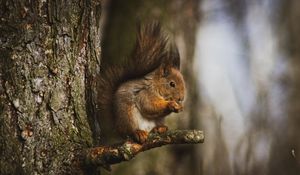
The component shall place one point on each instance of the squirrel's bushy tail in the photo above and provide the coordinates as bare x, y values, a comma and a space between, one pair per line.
152, 49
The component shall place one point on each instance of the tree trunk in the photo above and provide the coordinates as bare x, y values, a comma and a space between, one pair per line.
49, 55
285, 157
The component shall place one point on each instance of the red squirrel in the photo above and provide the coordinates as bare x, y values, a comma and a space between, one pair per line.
139, 93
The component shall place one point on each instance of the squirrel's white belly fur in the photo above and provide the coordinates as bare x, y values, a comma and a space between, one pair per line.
141, 122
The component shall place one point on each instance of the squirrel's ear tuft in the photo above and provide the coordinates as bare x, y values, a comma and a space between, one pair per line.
165, 70
174, 56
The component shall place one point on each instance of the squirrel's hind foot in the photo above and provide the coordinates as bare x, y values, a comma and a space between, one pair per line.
140, 136
160, 129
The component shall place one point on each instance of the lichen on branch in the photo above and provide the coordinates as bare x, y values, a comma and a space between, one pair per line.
107, 155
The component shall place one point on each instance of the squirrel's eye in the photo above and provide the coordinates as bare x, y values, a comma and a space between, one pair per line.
172, 84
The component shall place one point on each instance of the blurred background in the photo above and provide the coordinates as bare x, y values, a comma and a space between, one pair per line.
241, 62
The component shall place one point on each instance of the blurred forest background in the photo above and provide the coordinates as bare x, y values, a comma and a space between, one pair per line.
241, 63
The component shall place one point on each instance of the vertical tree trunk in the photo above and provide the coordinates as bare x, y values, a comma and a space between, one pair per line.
285, 157
49, 55
186, 18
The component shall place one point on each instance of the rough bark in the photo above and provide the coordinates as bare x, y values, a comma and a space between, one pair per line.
49, 54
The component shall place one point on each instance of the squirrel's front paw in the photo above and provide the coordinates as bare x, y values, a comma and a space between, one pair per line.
140, 136
175, 107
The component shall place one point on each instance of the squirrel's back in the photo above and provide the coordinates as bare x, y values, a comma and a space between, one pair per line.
152, 49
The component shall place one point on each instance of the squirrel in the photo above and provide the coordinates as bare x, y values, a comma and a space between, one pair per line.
140, 92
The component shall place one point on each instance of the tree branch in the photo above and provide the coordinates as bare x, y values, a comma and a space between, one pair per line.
107, 155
